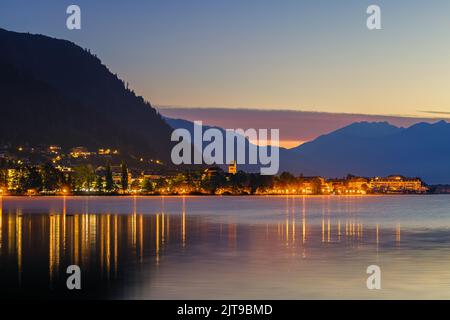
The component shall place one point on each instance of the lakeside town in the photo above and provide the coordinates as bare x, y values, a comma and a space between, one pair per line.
48, 170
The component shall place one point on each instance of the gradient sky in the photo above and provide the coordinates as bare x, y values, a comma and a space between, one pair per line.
311, 55
291, 54
296, 127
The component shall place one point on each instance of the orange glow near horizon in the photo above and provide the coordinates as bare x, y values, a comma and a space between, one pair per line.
288, 144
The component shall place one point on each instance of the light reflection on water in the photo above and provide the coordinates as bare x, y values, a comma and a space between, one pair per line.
225, 247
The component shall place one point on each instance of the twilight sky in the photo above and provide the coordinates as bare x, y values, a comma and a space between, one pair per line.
299, 55
296, 127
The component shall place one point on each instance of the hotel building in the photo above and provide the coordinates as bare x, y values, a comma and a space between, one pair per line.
397, 184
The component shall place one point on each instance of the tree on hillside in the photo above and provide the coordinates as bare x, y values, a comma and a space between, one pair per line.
148, 186
84, 177
213, 182
124, 177
30, 179
51, 177
3, 174
109, 182
239, 182
287, 178
99, 183
260, 183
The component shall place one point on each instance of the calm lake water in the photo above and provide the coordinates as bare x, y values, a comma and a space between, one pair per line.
226, 247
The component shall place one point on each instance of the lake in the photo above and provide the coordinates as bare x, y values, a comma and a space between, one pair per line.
261, 247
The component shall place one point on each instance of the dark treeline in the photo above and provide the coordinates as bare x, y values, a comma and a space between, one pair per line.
17, 178
47, 179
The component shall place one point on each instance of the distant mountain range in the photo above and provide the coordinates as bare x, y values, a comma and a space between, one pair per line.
54, 92
189, 126
371, 149
377, 149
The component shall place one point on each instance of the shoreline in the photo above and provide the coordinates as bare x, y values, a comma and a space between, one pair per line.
218, 196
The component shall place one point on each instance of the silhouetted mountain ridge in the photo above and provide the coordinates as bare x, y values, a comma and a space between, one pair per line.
376, 149
67, 96
368, 149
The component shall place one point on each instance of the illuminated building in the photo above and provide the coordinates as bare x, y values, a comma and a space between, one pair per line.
13, 179
79, 152
357, 183
212, 171
325, 187
54, 149
104, 151
107, 151
232, 167
117, 175
306, 188
339, 186
397, 184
